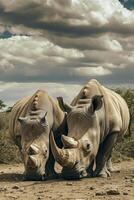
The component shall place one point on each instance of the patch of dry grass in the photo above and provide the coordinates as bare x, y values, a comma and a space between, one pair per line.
8, 150
124, 149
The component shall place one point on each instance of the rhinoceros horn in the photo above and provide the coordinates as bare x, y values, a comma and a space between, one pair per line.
33, 149
65, 157
32, 161
69, 142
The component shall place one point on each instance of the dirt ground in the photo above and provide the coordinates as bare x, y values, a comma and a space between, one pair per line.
120, 186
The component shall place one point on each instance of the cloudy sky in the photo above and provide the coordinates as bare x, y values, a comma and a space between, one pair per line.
59, 45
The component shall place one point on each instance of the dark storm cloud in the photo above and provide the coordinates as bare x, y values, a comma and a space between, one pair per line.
32, 13
56, 17
56, 64
63, 28
64, 43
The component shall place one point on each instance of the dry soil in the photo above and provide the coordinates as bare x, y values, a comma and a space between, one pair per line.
119, 186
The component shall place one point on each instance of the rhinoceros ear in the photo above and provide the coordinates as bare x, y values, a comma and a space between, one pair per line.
64, 106
96, 103
43, 117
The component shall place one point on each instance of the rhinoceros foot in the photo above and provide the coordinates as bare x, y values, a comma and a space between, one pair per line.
104, 173
111, 169
53, 175
114, 170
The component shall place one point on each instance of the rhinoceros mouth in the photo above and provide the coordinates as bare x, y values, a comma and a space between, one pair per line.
34, 177
69, 175
76, 172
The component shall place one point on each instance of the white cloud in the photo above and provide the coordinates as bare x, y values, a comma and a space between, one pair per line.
5, 65
76, 12
131, 57
29, 49
102, 12
6, 86
113, 45
12, 92
81, 39
93, 71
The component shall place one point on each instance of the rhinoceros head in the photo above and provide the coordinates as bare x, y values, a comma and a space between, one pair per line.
81, 144
35, 144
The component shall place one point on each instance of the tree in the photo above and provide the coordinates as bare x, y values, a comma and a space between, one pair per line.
128, 95
2, 105
9, 109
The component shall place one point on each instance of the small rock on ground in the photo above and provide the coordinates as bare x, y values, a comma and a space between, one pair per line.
15, 187
113, 192
100, 193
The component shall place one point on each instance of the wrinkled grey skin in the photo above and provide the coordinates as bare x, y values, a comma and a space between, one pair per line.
97, 118
32, 120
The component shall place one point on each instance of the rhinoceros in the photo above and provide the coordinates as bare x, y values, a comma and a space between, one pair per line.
96, 119
32, 120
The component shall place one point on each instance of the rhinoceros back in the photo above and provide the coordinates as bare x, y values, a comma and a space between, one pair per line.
18, 110
120, 108
115, 110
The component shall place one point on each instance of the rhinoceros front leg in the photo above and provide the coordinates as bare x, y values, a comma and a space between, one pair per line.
110, 165
50, 171
104, 154
91, 168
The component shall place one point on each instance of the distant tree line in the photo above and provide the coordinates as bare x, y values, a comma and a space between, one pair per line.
2, 105
128, 95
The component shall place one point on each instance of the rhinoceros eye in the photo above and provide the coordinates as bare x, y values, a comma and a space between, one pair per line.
87, 146
45, 153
